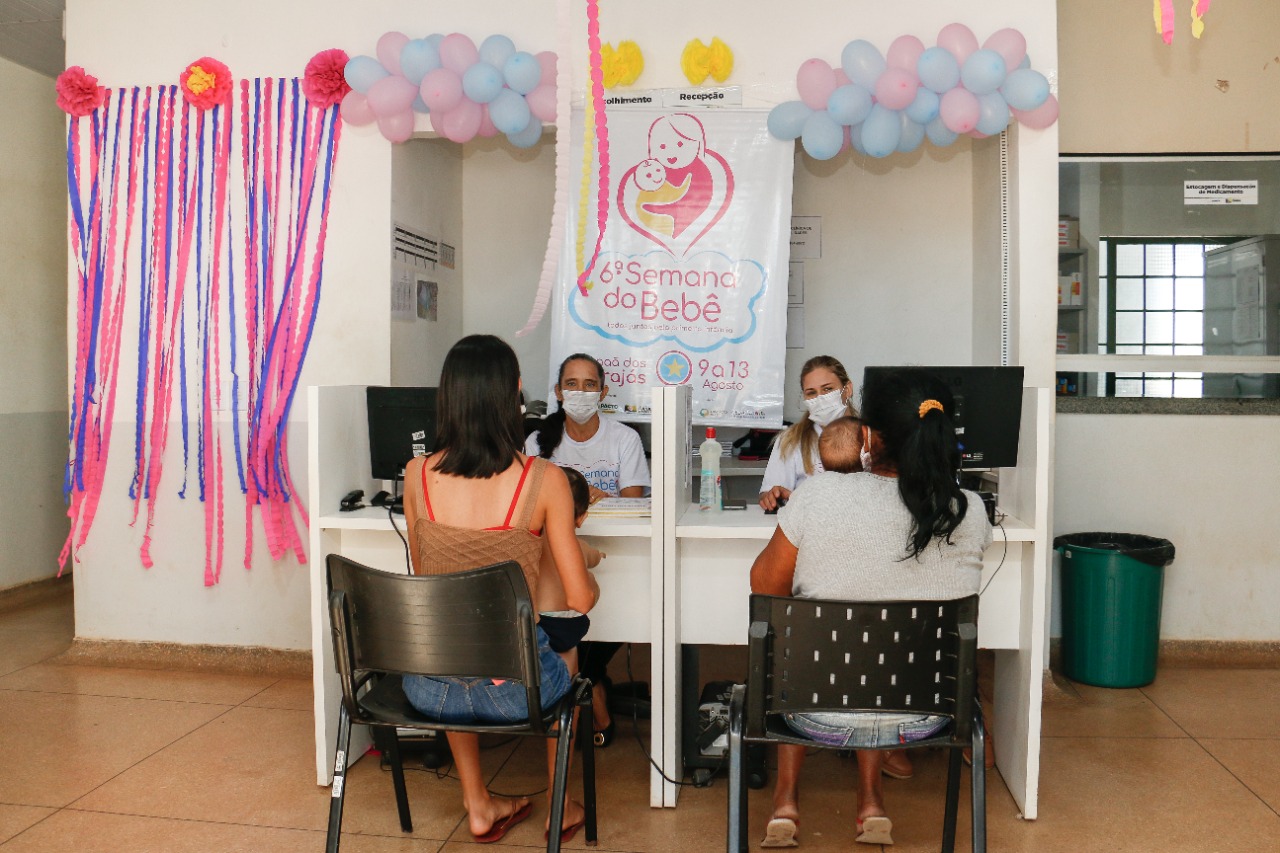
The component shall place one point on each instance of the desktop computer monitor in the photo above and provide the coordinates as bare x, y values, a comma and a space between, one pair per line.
988, 412
402, 425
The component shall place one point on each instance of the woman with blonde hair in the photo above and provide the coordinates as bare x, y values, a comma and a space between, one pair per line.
826, 391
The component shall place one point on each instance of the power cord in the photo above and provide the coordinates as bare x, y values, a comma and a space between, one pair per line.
635, 729
391, 517
1005, 535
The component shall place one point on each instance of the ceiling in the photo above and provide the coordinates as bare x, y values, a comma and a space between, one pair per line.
31, 34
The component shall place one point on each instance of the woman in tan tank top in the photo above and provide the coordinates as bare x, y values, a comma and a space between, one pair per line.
478, 500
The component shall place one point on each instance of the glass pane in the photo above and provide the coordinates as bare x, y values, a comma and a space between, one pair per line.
1160, 260
1188, 259
1102, 259
1128, 259
1187, 350
1129, 350
1158, 350
1128, 375
1158, 388
1128, 294
1158, 374
1188, 294
1159, 294
1188, 327
1159, 327
1188, 388
1128, 387
1194, 375
1128, 327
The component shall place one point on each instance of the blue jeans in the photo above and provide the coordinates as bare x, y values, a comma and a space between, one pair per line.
866, 729
479, 700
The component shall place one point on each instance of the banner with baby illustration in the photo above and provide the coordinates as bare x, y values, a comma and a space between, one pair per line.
690, 287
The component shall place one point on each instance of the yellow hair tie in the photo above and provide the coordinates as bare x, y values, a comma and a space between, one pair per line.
929, 404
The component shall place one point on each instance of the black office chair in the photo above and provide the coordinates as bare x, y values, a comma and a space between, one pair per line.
471, 624
810, 655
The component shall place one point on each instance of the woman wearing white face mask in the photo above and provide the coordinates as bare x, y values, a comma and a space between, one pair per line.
827, 391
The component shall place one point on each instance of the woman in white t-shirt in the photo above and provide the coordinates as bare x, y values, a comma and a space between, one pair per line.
610, 456
827, 390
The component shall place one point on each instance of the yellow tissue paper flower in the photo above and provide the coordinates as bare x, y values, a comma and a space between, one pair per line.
720, 60
621, 66
696, 61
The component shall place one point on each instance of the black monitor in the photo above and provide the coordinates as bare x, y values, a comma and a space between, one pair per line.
988, 411
402, 425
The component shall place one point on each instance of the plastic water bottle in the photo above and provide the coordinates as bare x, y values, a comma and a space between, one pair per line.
709, 488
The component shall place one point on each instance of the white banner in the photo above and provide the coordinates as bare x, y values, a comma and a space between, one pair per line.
691, 283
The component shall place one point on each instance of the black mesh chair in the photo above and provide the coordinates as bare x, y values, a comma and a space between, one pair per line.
471, 624
809, 655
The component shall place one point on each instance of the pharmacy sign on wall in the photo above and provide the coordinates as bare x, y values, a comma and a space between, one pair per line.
690, 287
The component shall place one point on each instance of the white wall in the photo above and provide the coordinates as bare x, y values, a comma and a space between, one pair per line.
1205, 483
33, 327
426, 195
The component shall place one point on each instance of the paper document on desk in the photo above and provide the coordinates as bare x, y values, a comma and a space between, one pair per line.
621, 508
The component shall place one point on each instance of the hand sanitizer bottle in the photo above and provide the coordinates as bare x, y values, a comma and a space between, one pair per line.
709, 488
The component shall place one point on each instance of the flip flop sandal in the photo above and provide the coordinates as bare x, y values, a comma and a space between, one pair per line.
500, 829
875, 830
566, 834
781, 832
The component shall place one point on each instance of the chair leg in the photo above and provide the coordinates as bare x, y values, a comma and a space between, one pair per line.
737, 834
586, 738
339, 790
397, 779
978, 780
559, 785
954, 762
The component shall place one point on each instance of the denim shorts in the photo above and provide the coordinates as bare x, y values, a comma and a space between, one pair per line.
866, 729
479, 700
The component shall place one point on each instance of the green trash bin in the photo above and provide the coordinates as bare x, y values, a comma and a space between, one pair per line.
1111, 589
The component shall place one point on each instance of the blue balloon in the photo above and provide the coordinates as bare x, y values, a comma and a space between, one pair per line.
522, 72
993, 114
938, 70
417, 58
786, 120
983, 72
496, 50
509, 112
482, 82
362, 72
849, 104
434, 40
420, 106
912, 135
862, 61
1026, 61
855, 139
939, 134
1025, 89
821, 137
924, 108
882, 131
528, 137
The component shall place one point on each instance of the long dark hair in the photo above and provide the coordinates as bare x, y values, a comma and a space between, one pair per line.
478, 429
920, 440
551, 433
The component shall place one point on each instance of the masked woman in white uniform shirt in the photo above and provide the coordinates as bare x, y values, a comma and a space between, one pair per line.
827, 390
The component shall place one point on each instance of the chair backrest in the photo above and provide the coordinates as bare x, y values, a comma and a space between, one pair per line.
478, 623
915, 657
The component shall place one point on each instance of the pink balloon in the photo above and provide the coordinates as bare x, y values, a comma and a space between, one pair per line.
462, 122
816, 81
842, 79
1041, 117
389, 47
437, 123
486, 124
960, 110
542, 102
547, 60
896, 89
904, 53
397, 127
458, 53
441, 90
391, 95
1010, 44
355, 109
958, 39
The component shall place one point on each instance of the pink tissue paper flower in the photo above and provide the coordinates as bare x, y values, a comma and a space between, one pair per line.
206, 83
323, 82
78, 92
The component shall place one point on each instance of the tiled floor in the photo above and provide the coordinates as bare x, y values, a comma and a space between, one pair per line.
98, 759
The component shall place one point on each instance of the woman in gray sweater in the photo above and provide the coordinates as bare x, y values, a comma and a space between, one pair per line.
901, 530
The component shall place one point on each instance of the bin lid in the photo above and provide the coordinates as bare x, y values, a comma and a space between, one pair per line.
1146, 549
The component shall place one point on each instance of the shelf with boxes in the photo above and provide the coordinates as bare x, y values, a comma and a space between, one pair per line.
1073, 298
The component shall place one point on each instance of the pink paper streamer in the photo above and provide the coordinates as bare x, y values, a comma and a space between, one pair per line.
1166, 21
602, 137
